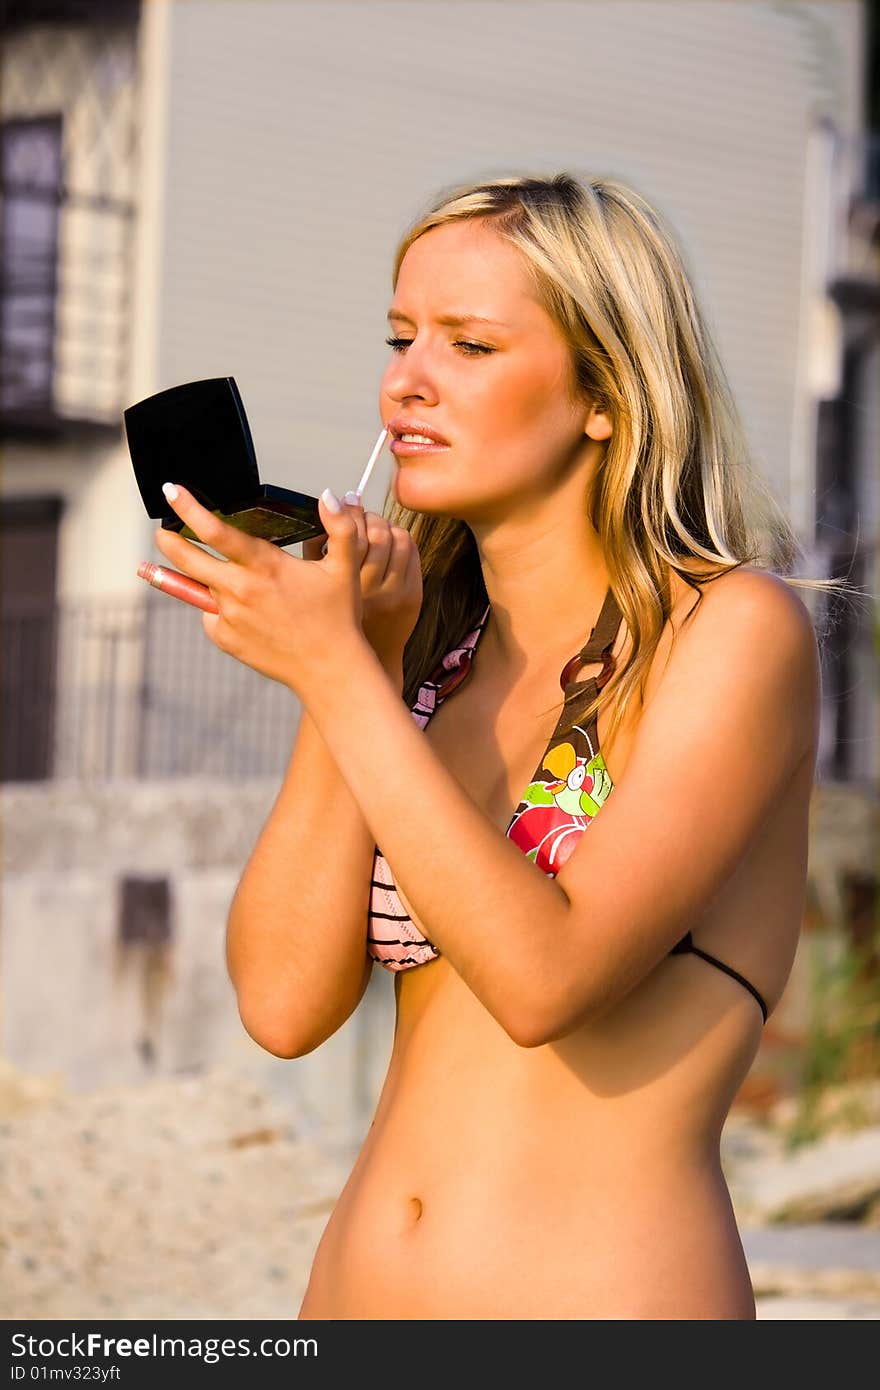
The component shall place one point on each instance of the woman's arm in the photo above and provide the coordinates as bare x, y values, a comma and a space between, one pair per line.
297, 925
735, 713
296, 928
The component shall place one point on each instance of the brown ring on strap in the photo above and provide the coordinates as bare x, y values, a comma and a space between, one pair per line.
608, 664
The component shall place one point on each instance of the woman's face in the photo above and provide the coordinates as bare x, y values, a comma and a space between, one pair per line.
500, 392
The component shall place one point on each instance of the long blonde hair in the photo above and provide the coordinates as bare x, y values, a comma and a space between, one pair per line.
677, 488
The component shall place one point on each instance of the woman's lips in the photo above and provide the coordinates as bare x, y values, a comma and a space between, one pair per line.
410, 446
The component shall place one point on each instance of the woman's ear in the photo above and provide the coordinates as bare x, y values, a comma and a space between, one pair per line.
598, 424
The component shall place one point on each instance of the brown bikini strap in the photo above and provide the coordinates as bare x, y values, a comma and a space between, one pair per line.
598, 646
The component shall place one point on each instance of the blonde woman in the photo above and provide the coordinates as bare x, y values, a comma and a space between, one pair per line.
580, 838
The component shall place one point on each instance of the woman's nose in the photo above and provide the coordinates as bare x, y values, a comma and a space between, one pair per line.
410, 374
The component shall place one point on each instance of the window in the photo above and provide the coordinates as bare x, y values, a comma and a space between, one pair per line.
30, 181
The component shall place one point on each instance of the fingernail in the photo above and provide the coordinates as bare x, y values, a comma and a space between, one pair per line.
330, 500
352, 498
170, 491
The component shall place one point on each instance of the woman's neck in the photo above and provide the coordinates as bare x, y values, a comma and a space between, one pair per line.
544, 600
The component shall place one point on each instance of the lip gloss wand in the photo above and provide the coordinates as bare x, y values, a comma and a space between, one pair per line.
365, 476
377, 449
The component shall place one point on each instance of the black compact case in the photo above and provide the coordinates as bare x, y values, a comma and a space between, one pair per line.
197, 434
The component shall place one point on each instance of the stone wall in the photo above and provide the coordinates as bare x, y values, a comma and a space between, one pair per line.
100, 995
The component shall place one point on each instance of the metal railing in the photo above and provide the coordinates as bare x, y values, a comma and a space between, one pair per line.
133, 688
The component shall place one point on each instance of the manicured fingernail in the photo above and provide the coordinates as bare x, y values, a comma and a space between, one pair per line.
170, 491
330, 500
352, 498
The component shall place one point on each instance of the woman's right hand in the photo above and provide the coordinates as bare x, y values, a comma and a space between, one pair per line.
391, 581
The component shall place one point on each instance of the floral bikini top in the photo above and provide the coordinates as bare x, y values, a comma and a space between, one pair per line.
565, 793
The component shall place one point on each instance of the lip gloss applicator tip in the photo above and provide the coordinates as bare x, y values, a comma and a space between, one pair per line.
377, 449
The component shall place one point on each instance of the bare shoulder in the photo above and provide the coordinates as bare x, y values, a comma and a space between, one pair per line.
744, 595
756, 628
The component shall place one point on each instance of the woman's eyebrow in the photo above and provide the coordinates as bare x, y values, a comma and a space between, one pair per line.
452, 320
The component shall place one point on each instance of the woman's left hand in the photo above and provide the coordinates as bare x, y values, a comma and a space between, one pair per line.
290, 619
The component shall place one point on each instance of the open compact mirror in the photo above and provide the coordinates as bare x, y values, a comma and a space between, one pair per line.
197, 434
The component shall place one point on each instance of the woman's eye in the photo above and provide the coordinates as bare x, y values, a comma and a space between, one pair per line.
399, 344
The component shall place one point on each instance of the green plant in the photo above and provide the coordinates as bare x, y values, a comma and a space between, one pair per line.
843, 1039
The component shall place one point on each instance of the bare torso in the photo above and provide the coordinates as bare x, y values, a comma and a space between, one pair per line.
582, 1178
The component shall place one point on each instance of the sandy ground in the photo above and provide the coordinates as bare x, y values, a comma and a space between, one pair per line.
190, 1197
